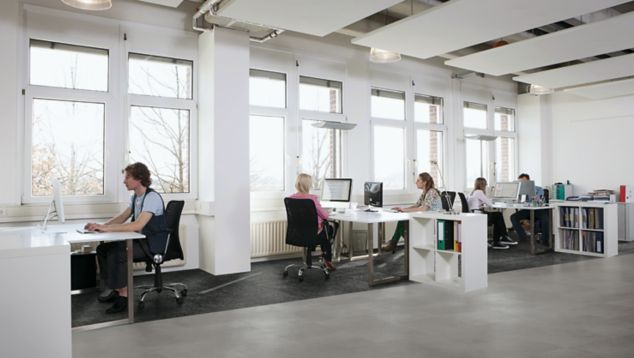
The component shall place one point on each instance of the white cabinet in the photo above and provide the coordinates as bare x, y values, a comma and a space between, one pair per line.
448, 249
586, 228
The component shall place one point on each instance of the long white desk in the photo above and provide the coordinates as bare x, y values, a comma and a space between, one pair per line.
35, 274
379, 217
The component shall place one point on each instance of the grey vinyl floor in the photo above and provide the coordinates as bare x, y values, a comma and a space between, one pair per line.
576, 309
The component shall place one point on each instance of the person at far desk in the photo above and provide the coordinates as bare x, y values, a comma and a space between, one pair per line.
146, 209
540, 215
429, 200
478, 200
303, 184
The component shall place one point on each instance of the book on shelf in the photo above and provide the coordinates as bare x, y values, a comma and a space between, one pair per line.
445, 235
457, 243
440, 235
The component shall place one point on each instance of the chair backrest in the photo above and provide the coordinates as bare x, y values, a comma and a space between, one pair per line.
463, 202
173, 249
447, 198
546, 195
301, 229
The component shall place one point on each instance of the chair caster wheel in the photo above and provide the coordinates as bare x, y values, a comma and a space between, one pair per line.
180, 300
141, 305
326, 276
285, 274
184, 293
300, 278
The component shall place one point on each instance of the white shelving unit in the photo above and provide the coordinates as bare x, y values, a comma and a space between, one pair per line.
465, 269
586, 228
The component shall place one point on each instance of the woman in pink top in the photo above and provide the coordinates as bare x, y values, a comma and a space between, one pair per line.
303, 184
477, 201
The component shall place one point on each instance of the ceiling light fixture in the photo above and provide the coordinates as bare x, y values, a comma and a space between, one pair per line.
538, 90
89, 4
383, 56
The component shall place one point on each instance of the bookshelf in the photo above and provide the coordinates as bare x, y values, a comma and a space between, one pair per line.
586, 228
448, 249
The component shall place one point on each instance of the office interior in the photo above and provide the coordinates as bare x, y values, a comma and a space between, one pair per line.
568, 122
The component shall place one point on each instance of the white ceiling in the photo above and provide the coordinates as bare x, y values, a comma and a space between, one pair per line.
318, 18
613, 34
589, 72
461, 23
604, 90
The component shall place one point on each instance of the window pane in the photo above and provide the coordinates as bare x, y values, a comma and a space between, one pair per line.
429, 147
321, 152
427, 109
266, 153
159, 137
387, 104
267, 89
477, 159
505, 159
67, 144
475, 115
159, 76
59, 65
504, 119
389, 156
320, 95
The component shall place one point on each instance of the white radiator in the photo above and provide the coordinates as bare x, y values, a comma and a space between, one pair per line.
267, 239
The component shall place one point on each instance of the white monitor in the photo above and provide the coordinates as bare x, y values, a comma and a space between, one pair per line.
506, 191
336, 189
58, 202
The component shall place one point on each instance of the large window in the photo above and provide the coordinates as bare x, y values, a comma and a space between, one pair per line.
66, 102
430, 131
160, 94
321, 152
477, 159
387, 104
320, 95
266, 153
267, 89
475, 115
504, 123
389, 154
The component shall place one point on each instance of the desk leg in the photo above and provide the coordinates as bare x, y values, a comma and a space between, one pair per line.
130, 281
533, 232
371, 274
406, 258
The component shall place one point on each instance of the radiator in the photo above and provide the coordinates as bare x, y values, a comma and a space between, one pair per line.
267, 239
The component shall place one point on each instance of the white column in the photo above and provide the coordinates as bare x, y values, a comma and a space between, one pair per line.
223, 137
535, 139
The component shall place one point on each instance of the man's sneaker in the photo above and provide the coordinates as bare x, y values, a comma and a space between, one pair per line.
329, 266
499, 246
120, 305
108, 295
507, 241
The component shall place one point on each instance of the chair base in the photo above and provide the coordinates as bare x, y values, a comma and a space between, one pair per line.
179, 290
305, 267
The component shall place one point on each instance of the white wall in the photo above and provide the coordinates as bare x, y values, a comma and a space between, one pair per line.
592, 142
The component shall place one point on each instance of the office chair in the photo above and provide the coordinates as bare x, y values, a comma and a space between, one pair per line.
463, 202
301, 230
169, 251
447, 198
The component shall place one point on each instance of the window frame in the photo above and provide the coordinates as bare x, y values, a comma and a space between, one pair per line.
437, 127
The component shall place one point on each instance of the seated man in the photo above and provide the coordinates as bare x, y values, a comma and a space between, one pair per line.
146, 209
542, 216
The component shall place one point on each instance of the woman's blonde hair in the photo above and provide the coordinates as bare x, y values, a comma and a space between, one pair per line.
303, 183
480, 184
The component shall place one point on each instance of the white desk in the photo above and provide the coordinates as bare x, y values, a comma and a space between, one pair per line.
35, 275
532, 209
373, 218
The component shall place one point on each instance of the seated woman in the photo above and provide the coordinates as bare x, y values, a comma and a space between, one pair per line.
303, 184
477, 200
429, 200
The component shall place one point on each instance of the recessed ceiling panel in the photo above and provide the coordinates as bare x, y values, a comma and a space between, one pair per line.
613, 34
314, 17
462, 23
589, 72
605, 90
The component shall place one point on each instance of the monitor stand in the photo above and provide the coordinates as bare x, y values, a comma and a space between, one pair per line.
371, 209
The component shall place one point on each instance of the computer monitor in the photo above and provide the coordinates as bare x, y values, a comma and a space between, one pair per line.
506, 191
56, 207
527, 191
338, 189
373, 194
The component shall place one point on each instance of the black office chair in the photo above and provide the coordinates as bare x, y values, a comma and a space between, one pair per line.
447, 198
301, 230
170, 250
463, 202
